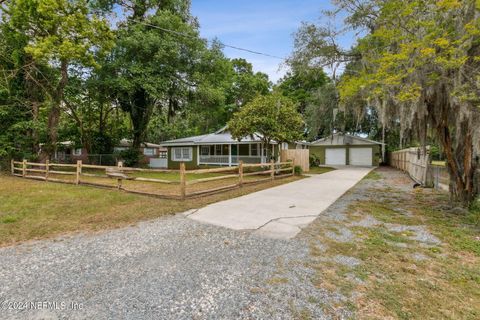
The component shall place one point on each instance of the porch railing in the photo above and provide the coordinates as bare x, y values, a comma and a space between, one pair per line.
225, 160
249, 159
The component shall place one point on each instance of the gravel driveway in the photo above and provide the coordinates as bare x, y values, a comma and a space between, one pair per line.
171, 268
174, 268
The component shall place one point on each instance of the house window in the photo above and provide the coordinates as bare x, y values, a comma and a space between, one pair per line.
182, 154
77, 151
149, 151
225, 149
254, 149
162, 154
205, 150
243, 149
218, 149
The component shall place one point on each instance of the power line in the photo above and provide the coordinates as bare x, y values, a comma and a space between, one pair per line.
220, 42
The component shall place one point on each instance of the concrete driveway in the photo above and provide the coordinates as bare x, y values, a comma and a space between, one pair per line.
281, 212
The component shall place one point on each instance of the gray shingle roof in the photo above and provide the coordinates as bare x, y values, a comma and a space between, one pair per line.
220, 137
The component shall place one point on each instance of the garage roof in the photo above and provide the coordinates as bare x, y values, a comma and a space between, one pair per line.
339, 139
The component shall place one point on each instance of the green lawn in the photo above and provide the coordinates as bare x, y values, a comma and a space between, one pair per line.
31, 209
320, 170
165, 189
175, 176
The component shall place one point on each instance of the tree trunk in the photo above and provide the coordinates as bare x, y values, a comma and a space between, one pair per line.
35, 142
54, 115
460, 164
383, 143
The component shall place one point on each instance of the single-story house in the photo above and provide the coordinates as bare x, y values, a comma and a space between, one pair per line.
67, 151
345, 149
218, 148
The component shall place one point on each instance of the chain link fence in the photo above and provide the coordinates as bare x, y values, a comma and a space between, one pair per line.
96, 159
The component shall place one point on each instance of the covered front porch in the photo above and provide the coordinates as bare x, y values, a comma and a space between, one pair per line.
231, 154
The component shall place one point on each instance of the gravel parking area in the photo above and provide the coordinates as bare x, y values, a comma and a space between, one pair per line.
177, 268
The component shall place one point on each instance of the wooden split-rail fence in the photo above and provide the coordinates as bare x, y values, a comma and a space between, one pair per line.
80, 173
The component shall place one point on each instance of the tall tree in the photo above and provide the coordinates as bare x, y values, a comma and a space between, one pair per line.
301, 84
60, 33
154, 67
246, 84
417, 66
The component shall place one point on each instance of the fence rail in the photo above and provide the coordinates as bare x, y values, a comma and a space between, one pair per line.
174, 184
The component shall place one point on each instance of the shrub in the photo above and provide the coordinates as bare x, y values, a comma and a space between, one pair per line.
435, 153
298, 170
314, 160
130, 157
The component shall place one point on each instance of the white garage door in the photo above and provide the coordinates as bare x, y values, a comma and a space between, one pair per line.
361, 156
335, 156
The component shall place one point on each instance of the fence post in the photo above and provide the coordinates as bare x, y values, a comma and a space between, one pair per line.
240, 173
12, 166
293, 168
182, 181
120, 164
79, 171
47, 169
24, 168
272, 169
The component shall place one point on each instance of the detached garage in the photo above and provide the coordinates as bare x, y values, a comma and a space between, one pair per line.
344, 149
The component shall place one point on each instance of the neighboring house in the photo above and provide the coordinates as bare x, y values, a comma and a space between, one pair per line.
68, 151
345, 149
218, 148
150, 152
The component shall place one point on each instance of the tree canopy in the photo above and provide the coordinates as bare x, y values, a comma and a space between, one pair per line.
274, 117
53, 36
70, 72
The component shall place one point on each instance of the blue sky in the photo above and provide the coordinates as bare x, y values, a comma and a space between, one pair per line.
261, 25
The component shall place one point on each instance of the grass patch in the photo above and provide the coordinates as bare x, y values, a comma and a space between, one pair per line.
9, 219
473, 216
32, 209
175, 176
320, 170
373, 175
399, 277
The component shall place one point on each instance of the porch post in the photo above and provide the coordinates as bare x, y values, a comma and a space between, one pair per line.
229, 155
198, 155
261, 153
